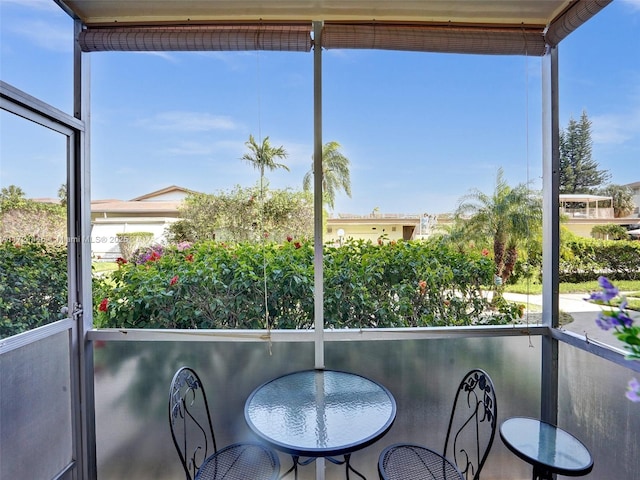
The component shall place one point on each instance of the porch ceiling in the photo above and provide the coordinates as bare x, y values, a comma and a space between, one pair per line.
534, 13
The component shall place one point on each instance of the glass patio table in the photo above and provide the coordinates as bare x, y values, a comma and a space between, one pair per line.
320, 413
547, 447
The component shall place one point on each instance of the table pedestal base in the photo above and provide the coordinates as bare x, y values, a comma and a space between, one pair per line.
540, 473
346, 462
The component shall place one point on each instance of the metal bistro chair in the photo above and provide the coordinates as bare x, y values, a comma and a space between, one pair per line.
194, 439
472, 428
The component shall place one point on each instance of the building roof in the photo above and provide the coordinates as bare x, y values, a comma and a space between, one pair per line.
124, 207
582, 197
163, 192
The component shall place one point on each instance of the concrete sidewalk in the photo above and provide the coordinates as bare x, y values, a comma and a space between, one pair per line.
569, 302
583, 313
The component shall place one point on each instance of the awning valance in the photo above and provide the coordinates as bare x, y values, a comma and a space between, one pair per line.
230, 37
435, 38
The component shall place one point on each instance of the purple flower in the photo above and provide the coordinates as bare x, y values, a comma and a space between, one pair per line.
621, 322
609, 291
624, 320
633, 390
605, 322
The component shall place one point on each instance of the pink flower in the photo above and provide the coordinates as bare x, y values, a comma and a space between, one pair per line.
183, 246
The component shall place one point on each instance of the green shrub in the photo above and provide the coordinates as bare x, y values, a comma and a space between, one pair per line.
610, 231
214, 285
33, 285
584, 259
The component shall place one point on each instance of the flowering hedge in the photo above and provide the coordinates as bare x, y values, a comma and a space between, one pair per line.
214, 285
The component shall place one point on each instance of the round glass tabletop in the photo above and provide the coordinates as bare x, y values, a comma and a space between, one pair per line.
545, 445
318, 413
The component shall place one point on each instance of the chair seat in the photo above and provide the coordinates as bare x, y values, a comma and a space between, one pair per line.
240, 461
415, 462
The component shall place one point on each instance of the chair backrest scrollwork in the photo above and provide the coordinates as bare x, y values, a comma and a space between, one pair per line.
190, 421
472, 425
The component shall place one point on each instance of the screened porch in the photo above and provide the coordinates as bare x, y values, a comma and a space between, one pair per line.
79, 402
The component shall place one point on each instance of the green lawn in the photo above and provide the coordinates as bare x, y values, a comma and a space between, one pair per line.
101, 267
631, 289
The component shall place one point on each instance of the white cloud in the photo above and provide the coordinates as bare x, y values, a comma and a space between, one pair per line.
164, 55
188, 122
634, 4
190, 148
33, 4
50, 36
615, 128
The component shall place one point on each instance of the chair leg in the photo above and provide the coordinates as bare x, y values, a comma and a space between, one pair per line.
294, 468
347, 461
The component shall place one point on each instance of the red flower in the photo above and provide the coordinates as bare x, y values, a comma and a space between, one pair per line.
423, 286
189, 258
297, 245
289, 238
485, 252
174, 280
380, 241
154, 256
120, 261
103, 305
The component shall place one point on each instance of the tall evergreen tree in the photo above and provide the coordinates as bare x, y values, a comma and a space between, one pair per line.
579, 172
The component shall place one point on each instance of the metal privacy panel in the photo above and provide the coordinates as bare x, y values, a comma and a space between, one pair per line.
36, 409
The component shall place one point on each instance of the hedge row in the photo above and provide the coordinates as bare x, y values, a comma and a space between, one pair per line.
33, 285
213, 285
583, 259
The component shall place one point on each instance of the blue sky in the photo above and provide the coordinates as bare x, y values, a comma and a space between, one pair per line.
421, 129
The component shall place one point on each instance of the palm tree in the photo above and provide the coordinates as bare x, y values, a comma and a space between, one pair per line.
509, 216
335, 173
12, 194
263, 156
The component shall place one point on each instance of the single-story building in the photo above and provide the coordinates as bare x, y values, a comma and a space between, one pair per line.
152, 212
155, 211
